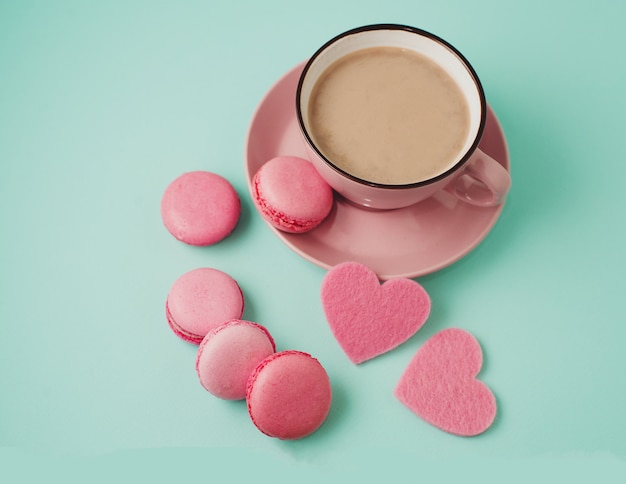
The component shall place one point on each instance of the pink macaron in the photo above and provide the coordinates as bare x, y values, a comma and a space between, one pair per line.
228, 355
201, 300
291, 195
200, 208
289, 395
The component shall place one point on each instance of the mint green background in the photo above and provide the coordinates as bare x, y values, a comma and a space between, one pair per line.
102, 104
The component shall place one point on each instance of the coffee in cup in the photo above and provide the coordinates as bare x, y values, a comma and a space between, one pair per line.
391, 114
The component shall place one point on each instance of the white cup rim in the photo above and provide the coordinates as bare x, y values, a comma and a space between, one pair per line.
390, 26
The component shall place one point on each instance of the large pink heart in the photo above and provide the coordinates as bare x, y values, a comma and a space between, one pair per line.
440, 384
367, 318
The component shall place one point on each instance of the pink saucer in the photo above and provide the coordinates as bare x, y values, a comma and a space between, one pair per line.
409, 242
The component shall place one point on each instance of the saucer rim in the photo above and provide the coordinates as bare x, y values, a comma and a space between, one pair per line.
413, 273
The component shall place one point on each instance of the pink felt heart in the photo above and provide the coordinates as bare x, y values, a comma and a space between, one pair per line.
440, 384
367, 318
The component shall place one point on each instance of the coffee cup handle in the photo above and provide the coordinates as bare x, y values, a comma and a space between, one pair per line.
482, 181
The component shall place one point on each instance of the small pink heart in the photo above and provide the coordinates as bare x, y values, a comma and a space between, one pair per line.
367, 318
440, 384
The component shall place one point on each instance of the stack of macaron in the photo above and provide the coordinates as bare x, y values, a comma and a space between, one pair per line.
288, 393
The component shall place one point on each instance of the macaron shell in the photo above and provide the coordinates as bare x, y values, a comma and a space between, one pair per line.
179, 331
201, 300
289, 395
200, 208
291, 195
228, 355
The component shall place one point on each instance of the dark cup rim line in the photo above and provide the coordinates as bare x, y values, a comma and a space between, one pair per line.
415, 30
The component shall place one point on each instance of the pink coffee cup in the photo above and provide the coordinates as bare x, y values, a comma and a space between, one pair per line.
472, 175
